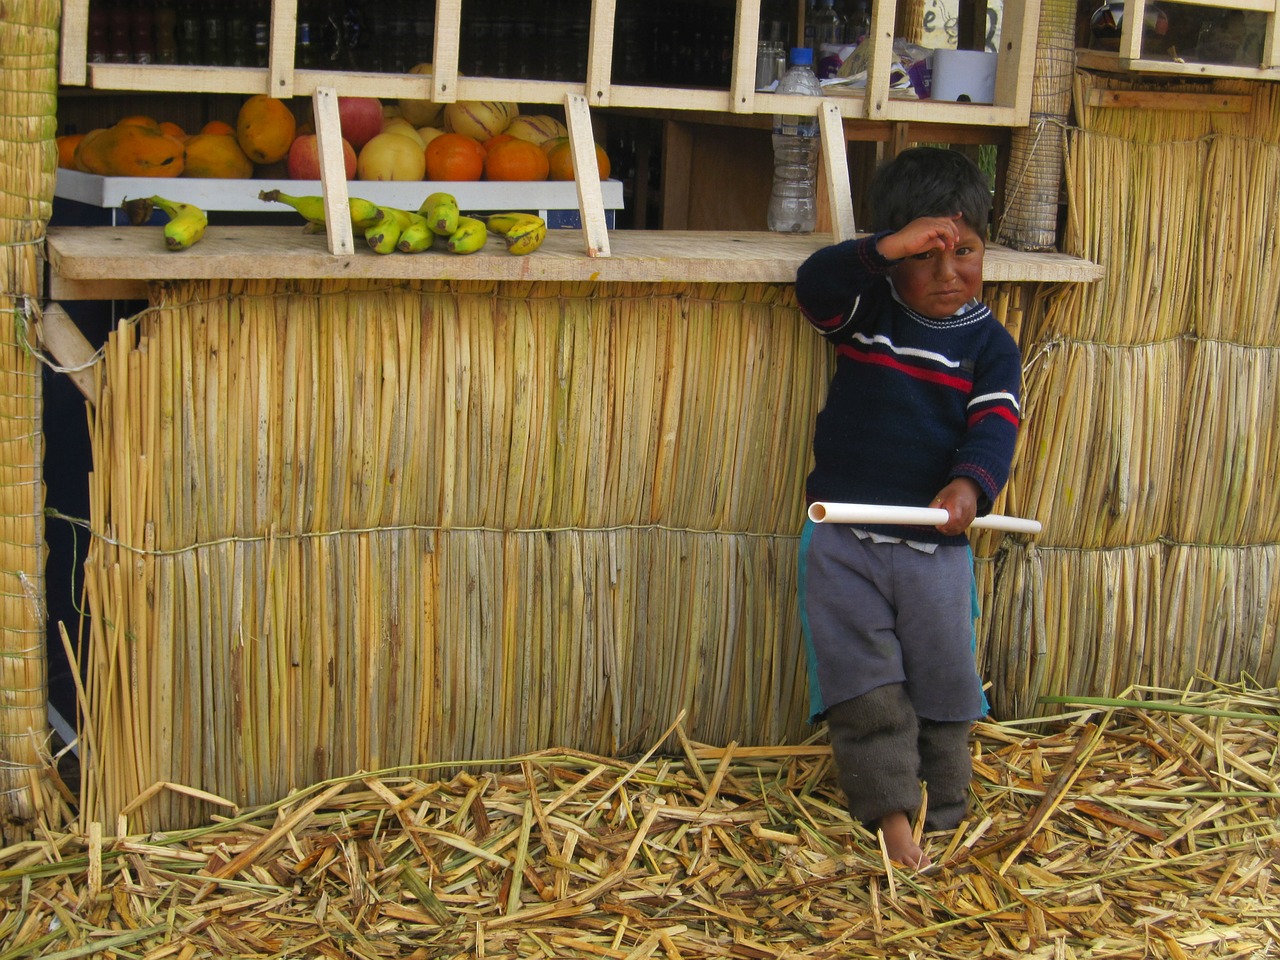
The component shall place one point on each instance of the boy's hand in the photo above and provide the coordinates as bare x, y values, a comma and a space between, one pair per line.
960, 499
920, 236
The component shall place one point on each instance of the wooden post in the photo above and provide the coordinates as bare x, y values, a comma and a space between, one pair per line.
835, 165
333, 172
586, 175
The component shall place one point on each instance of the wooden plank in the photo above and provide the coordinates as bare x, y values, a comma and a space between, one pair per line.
835, 165
1015, 67
444, 62
1131, 29
93, 255
600, 53
742, 78
61, 339
333, 173
677, 168
281, 77
73, 69
64, 288
1160, 100
883, 13
586, 175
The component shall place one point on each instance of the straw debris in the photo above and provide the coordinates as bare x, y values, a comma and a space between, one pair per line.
1145, 826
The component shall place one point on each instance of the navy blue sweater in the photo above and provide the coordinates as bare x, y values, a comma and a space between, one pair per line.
914, 402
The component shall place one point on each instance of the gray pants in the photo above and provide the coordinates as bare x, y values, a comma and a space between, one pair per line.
882, 751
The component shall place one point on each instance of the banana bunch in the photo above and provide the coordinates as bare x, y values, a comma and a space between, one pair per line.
523, 232
186, 223
364, 213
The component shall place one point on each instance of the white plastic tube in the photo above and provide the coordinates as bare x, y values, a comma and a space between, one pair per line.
826, 512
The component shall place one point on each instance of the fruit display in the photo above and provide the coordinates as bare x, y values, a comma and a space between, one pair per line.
406, 140
437, 223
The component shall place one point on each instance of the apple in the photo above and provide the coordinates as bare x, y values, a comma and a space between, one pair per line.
303, 162
360, 119
391, 156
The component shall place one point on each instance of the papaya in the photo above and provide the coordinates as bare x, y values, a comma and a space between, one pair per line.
131, 150
216, 155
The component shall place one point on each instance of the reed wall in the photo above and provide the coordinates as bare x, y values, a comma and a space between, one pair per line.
28, 100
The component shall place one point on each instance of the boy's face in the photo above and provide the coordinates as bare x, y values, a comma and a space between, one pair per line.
937, 283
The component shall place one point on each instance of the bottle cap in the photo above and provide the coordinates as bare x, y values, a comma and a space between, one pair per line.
801, 56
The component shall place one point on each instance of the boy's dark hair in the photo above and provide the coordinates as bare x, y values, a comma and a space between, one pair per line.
929, 182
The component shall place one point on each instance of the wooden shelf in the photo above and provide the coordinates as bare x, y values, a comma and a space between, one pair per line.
96, 263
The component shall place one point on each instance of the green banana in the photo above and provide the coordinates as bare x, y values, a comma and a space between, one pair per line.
441, 209
186, 224
402, 217
469, 237
385, 234
416, 237
526, 237
504, 223
364, 213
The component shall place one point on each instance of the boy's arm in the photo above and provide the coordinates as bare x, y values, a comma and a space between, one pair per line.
994, 413
829, 283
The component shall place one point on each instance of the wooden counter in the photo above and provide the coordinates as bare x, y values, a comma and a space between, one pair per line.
104, 263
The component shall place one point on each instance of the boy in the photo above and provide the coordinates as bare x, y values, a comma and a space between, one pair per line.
922, 410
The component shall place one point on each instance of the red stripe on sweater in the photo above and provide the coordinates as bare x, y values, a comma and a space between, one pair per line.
999, 412
893, 363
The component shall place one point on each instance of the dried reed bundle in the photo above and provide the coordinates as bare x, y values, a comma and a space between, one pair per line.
1149, 819
28, 69
1082, 621
1133, 208
1098, 446
510, 515
1241, 206
1225, 490
1221, 611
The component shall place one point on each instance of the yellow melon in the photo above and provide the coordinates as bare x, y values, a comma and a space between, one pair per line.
421, 113
536, 128
479, 119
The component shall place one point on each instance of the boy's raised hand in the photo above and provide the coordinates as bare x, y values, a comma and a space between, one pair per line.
920, 236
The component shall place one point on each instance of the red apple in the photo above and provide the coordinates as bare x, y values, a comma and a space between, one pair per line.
360, 119
303, 162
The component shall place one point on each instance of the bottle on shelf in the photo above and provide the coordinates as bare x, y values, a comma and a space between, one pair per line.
213, 36
99, 32
239, 35
165, 28
120, 27
142, 31
858, 23
828, 39
261, 35
793, 206
189, 42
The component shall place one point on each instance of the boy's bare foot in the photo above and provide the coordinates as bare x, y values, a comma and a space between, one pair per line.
898, 842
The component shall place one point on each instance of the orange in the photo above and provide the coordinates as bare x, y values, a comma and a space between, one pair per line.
169, 128
560, 161
516, 160
494, 141
218, 126
265, 128
140, 120
67, 144
454, 156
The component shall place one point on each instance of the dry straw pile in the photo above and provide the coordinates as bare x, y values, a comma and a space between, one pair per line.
1140, 829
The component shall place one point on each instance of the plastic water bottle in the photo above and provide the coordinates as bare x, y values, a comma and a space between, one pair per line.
793, 201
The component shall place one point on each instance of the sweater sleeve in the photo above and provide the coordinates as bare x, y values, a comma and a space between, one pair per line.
831, 281
993, 415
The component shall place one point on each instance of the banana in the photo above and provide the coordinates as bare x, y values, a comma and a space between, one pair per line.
416, 237
402, 217
504, 223
384, 235
186, 224
526, 237
441, 209
469, 237
364, 213
311, 208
